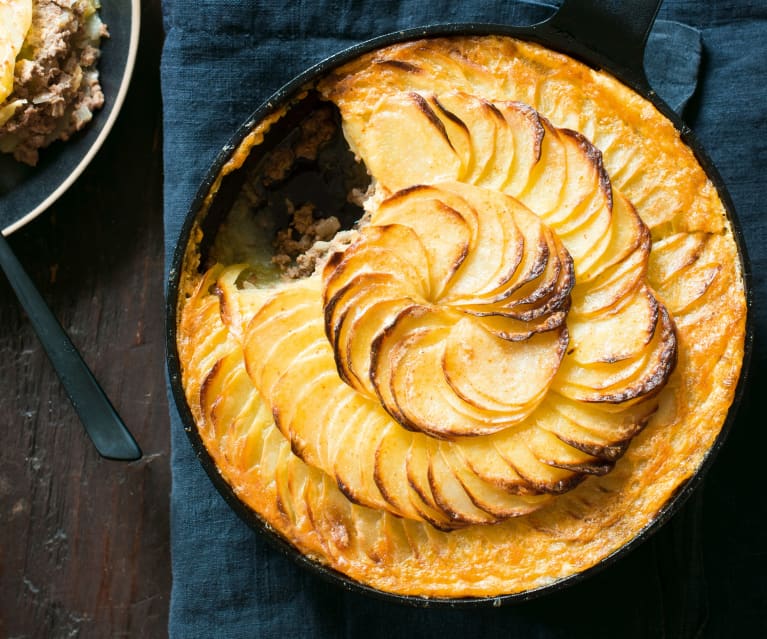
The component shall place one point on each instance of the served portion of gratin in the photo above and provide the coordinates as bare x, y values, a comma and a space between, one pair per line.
49, 79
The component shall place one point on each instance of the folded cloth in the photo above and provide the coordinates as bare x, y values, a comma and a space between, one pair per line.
221, 60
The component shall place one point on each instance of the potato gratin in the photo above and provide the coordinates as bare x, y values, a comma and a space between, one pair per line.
523, 349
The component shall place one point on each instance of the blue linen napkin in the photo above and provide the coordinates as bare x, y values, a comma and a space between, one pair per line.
223, 58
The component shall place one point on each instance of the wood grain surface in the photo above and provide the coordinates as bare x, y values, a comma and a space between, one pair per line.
84, 541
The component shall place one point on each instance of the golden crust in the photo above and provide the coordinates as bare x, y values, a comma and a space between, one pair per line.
693, 270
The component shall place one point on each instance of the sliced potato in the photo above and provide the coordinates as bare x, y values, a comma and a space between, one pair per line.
625, 380
450, 494
407, 121
391, 248
498, 249
481, 120
615, 336
15, 18
488, 497
445, 233
434, 408
543, 191
627, 234
497, 374
527, 134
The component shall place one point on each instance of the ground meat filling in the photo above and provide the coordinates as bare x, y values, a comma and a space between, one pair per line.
299, 201
55, 78
304, 242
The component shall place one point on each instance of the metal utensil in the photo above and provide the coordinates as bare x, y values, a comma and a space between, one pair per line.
104, 426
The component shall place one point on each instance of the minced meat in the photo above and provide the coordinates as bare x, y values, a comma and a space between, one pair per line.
55, 77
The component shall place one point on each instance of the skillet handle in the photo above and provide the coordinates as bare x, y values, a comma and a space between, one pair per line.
615, 30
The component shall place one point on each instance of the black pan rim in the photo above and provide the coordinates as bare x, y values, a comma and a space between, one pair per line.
544, 35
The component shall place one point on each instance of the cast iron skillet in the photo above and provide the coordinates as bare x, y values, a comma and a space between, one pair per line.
609, 35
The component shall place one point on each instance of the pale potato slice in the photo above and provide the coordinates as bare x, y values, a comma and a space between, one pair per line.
604, 445
294, 382
392, 248
238, 301
432, 63
245, 450
411, 319
355, 349
500, 164
548, 293
271, 346
350, 301
367, 446
673, 253
306, 417
458, 134
513, 446
299, 479
527, 134
689, 285
615, 336
417, 463
516, 330
482, 121
552, 451
488, 497
233, 410
586, 179
338, 435
498, 249
498, 374
612, 286
543, 192
211, 341
434, 408
325, 409
364, 307
389, 469
15, 18
600, 376
555, 281
211, 391
588, 244
351, 458
395, 209
611, 426
450, 495
626, 380
406, 121
446, 236
305, 344
484, 460
627, 234
276, 324
527, 256
457, 73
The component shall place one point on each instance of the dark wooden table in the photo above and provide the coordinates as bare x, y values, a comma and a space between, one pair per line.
84, 541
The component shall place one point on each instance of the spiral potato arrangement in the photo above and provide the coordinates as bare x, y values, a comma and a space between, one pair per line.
499, 331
